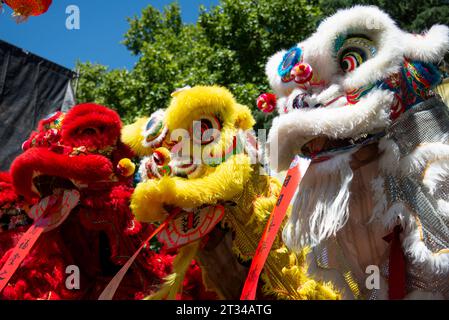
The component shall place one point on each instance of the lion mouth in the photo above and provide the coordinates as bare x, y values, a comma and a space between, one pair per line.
185, 226
47, 185
182, 168
324, 145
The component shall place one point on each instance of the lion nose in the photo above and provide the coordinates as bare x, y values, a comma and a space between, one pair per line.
161, 156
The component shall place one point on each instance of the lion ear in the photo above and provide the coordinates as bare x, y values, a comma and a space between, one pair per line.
428, 47
244, 119
132, 137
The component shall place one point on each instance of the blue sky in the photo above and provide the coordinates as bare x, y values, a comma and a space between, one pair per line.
103, 24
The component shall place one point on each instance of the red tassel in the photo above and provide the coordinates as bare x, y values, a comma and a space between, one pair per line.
397, 277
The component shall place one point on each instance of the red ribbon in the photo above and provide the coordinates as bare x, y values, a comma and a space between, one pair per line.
49, 214
288, 190
396, 276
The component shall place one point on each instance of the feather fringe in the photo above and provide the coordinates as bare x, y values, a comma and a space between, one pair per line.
304, 287
173, 283
322, 205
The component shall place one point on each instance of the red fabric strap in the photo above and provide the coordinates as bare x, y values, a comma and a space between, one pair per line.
396, 276
271, 230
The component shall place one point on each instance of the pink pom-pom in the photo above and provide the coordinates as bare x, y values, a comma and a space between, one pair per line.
302, 73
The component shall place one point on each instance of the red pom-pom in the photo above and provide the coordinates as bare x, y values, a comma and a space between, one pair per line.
266, 102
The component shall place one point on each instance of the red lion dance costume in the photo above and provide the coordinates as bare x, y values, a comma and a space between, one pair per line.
81, 151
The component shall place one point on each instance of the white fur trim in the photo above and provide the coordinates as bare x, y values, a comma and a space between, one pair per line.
429, 152
418, 251
437, 172
379, 197
391, 155
321, 207
417, 161
429, 47
282, 104
394, 215
332, 92
143, 172
411, 239
392, 45
271, 70
443, 207
379, 27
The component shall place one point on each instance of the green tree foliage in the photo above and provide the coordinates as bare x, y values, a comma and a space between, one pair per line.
411, 15
229, 46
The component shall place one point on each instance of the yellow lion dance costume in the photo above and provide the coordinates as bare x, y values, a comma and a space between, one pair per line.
222, 202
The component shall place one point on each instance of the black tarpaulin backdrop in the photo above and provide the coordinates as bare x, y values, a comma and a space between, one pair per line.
30, 88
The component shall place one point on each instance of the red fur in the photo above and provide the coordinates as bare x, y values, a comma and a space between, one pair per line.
42, 273
80, 120
7, 194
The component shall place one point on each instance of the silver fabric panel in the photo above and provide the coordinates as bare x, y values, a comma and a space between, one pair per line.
411, 193
426, 122
418, 279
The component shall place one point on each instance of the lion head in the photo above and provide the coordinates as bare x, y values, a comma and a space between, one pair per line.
192, 152
81, 151
349, 81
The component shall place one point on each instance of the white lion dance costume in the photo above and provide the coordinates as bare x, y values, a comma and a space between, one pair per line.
357, 98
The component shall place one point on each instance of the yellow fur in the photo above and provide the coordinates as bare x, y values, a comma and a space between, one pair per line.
223, 184
244, 119
192, 104
132, 136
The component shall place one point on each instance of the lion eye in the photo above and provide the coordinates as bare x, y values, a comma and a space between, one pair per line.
354, 51
90, 131
207, 130
352, 60
154, 129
